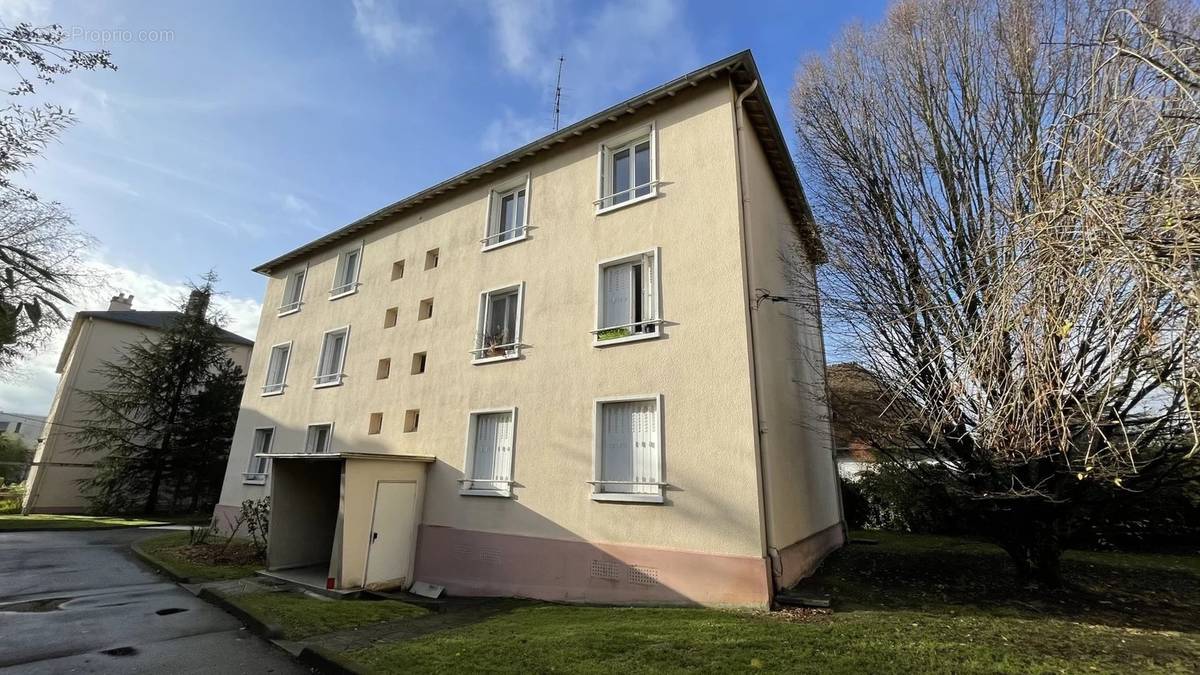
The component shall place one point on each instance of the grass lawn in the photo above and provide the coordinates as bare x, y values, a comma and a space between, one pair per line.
46, 521
299, 615
908, 604
205, 563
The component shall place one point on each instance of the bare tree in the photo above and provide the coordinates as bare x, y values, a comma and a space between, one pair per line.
1010, 194
40, 249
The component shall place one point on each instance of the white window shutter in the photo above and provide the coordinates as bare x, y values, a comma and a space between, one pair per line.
617, 287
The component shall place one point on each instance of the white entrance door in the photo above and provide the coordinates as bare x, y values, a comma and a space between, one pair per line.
393, 536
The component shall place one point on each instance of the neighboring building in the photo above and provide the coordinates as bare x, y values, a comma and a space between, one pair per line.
867, 417
94, 337
552, 376
27, 428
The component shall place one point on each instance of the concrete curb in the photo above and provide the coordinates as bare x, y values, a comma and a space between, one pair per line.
160, 565
324, 662
256, 625
77, 529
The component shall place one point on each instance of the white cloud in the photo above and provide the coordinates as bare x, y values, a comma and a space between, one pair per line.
31, 388
380, 26
522, 29
36, 12
511, 132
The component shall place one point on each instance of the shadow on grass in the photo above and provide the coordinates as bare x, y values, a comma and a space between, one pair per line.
944, 574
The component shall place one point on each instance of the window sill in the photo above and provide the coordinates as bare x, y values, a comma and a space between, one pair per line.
334, 383
342, 294
631, 202
254, 479
506, 242
285, 312
637, 337
478, 361
627, 497
504, 494
276, 392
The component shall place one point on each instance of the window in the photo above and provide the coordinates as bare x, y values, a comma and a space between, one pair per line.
256, 472
345, 278
411, 419
398, 270
418, 364
498, 333
628, 303
320, 436
277, 368
627, 169
293, 292
375, 424
431, 259
508, 215
628, 450
383, 369
390, 316
425, 309
333, 358
489, 461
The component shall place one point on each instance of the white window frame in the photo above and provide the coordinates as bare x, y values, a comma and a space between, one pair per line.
340, 290
604, 196
319, 380
467, 483
598, 450
251, 477
294, 306
512, 349
275, 389
329, 442
656, 304
495, 195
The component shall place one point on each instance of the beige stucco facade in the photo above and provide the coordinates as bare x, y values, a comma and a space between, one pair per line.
52, 486
708, 541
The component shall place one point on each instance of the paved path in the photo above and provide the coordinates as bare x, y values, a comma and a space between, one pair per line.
79, 602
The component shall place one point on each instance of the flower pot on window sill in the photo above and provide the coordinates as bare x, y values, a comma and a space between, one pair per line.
613, 334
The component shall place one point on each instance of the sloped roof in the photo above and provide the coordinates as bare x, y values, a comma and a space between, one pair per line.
152, 320
740, 67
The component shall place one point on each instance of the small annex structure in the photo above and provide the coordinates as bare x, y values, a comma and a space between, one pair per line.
95, 336
563, 374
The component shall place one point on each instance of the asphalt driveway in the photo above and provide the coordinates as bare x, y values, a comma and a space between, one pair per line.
79, 602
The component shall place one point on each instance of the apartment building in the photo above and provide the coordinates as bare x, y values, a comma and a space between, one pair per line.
588, 370
95, 336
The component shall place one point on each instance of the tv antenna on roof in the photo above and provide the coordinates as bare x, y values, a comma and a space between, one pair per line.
558, 92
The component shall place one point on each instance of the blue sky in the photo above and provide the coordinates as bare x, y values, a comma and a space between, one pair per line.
234, 131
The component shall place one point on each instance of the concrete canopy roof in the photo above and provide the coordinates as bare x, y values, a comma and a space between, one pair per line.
739, 67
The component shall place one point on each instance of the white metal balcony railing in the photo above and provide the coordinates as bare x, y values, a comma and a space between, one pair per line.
289, 307
273, 388
328, 378
611, 200
516, 232
344, 289
634, 328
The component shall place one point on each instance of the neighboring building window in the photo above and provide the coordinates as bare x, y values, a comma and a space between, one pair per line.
397, 270
333, 357
375, 423
498, 332
627, 169
629, 451
490, 453
412, 419
293, 292
277, 369
256, 472
425, 309
508, 215
345, 278
320, 436
418, 363
628, 303
431, 258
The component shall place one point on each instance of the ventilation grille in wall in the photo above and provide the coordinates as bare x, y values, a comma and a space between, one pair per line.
487, 555
646, 576
606, 569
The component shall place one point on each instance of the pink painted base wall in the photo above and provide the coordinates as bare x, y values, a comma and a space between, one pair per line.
802, 558
473, 563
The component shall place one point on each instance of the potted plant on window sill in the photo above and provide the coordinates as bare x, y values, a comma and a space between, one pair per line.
492, 346
613, 333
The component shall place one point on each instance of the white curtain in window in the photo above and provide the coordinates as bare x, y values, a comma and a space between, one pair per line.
629, 446
493, 449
